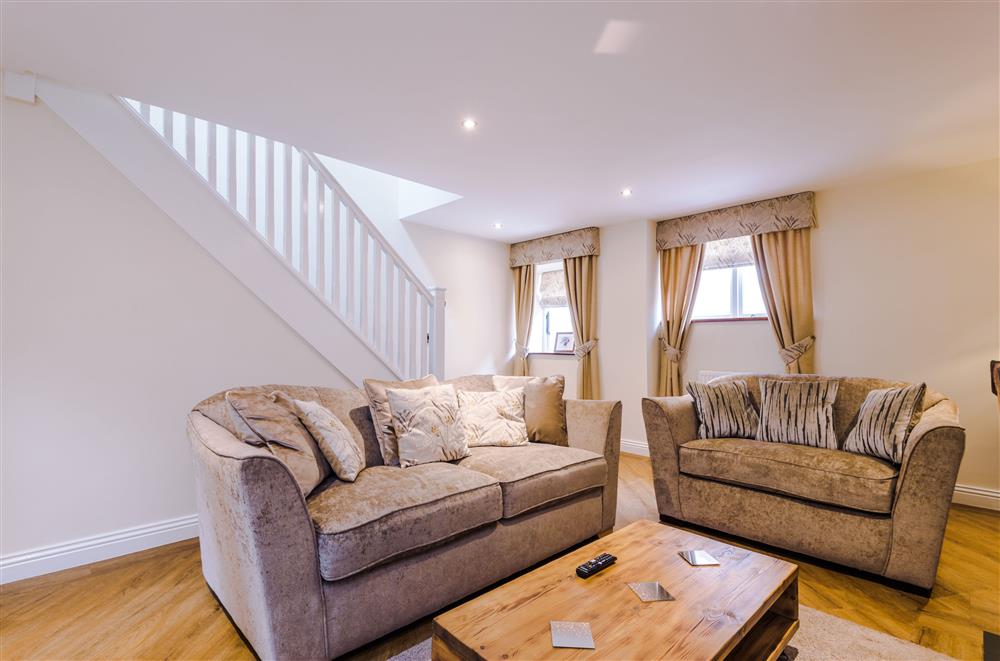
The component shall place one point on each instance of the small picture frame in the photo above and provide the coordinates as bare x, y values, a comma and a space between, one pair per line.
565, 343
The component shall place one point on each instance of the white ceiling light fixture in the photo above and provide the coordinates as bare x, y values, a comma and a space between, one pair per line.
469, 124
626, 192
498, 226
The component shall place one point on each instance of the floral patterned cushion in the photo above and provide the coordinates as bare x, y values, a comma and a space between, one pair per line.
427, 425
493, 418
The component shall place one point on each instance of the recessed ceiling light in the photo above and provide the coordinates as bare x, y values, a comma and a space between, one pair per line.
469, 124
498, 226
626, 192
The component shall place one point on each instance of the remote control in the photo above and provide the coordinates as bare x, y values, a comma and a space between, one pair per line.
591, 567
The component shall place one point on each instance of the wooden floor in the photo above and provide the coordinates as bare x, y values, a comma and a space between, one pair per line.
155, 605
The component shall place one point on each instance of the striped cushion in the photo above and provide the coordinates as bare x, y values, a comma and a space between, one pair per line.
798, 412
724, 410
884, 422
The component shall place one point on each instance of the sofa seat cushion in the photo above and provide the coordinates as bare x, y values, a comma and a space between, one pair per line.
824, 476
537, 474
389, 511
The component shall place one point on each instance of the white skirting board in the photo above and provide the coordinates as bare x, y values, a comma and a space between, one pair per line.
635, 447
47, 559
964, 495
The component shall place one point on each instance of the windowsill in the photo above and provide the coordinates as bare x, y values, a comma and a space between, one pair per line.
718, 319
551, 353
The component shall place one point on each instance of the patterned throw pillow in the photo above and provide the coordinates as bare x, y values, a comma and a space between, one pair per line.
798, 412
493, 418
378, 404
259, 420
427, 425
885, 421
544, 408
336, 443
724, 410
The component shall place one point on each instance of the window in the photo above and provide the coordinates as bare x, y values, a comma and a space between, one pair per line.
551, 313
729, 288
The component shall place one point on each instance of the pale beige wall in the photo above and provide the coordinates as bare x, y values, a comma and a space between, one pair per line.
479, 312
906, 286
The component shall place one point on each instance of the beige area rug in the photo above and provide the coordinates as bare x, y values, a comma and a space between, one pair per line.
821, 637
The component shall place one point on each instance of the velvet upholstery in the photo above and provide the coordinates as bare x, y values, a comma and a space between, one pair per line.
537, 474
903, 543
389, 511
596, 425
823, 476
261, 542
371, 604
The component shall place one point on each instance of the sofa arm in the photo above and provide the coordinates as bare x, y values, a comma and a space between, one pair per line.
258, 545
596, 425
923, 495
670, 423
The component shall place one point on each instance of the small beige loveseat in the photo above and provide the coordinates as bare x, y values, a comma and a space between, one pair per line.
313, 578
851, 509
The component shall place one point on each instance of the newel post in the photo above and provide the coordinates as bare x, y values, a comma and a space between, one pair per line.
437, 333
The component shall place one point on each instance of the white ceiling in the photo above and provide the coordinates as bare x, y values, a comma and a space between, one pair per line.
702, 106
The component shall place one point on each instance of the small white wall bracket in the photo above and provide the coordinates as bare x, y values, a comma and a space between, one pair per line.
19, 86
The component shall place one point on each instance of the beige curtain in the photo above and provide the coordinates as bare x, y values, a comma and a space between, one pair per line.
680, 271
581, 291
524, 305
785, 273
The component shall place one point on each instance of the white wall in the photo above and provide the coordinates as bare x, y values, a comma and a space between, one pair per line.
730, 346
479, 311
115, 322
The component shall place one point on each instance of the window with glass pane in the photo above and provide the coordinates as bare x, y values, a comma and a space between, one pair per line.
729, 288
551, 313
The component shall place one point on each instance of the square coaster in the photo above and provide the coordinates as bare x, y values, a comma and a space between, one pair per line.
651, 591
698, 558
572, 634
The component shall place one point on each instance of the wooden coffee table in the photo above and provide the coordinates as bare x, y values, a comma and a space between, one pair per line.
745, 608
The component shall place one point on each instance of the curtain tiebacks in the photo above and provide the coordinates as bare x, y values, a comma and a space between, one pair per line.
522, 351
584, 348
794, 352
673, 353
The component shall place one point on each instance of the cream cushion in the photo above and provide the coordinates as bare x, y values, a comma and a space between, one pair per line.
493, 418
427, 425
330, 434
378, 402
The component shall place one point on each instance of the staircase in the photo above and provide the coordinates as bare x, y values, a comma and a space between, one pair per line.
295, 210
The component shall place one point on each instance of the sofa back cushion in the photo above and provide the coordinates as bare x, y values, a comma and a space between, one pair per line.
851, 393
799, 412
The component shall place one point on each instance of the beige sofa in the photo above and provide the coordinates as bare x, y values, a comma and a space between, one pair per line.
313, 578
850, 509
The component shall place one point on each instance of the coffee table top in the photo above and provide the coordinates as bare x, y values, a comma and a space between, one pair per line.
715, 605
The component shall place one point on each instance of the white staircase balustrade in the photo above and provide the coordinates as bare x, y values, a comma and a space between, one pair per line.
289, 201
